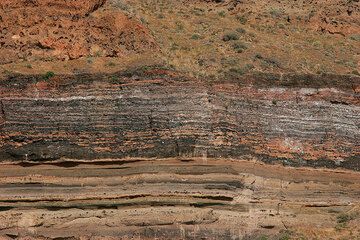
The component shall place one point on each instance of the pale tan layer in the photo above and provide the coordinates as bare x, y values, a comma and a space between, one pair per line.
177, 199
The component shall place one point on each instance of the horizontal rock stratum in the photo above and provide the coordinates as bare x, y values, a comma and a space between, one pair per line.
155, 154
296, 120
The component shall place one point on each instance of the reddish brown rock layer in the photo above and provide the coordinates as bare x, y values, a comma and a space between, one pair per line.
49, 30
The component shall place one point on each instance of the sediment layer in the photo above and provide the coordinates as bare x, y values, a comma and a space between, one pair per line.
296, 120
176, 198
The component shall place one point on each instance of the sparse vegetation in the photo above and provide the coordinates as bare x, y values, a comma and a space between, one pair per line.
241, 19
195, 36
120, 5
275, 12
48, 75
239, 47
222, 14
231, 36
343, 219
355, 37
241, 30
110, 64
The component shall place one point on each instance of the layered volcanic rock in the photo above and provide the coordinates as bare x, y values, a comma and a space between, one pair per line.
47, 30
295, 120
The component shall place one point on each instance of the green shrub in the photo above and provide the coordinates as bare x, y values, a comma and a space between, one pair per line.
110, 64
355, 72
272, 62
237, 71
355, 37
241, 30
239, 47
230, 37
48, 75
275, 12
195, 36
344, 218
222, 14
241, 19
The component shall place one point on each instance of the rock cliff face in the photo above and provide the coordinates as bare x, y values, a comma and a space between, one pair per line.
294, 120
153, 154
186, 119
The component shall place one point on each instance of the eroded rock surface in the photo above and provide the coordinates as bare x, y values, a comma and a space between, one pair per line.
153, 154
49, 30
294, 120
179, 198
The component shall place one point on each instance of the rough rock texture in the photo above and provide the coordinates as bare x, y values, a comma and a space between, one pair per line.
295, 120
335, 17
153, 154
180, 198
45, 29
254, 133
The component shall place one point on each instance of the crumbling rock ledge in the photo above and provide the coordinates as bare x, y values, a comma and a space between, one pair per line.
295, 120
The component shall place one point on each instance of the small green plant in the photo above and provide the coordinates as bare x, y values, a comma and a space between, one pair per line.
29, 66
239, 71
174, 47
281, 26
355, 37
179, 26
222, 14
239, 47
340, 226
161, 16
114, 78
49, 75
241, 30
120, 5
143, 20
230, 37
285, 235
198, 11
356, 72
90, 60
344, 218
272, 62
241, 19
195, 36
275, 13
110, 64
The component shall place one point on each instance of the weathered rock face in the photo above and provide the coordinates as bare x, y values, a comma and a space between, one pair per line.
294, 120
62, 7
152, 154
47, 30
